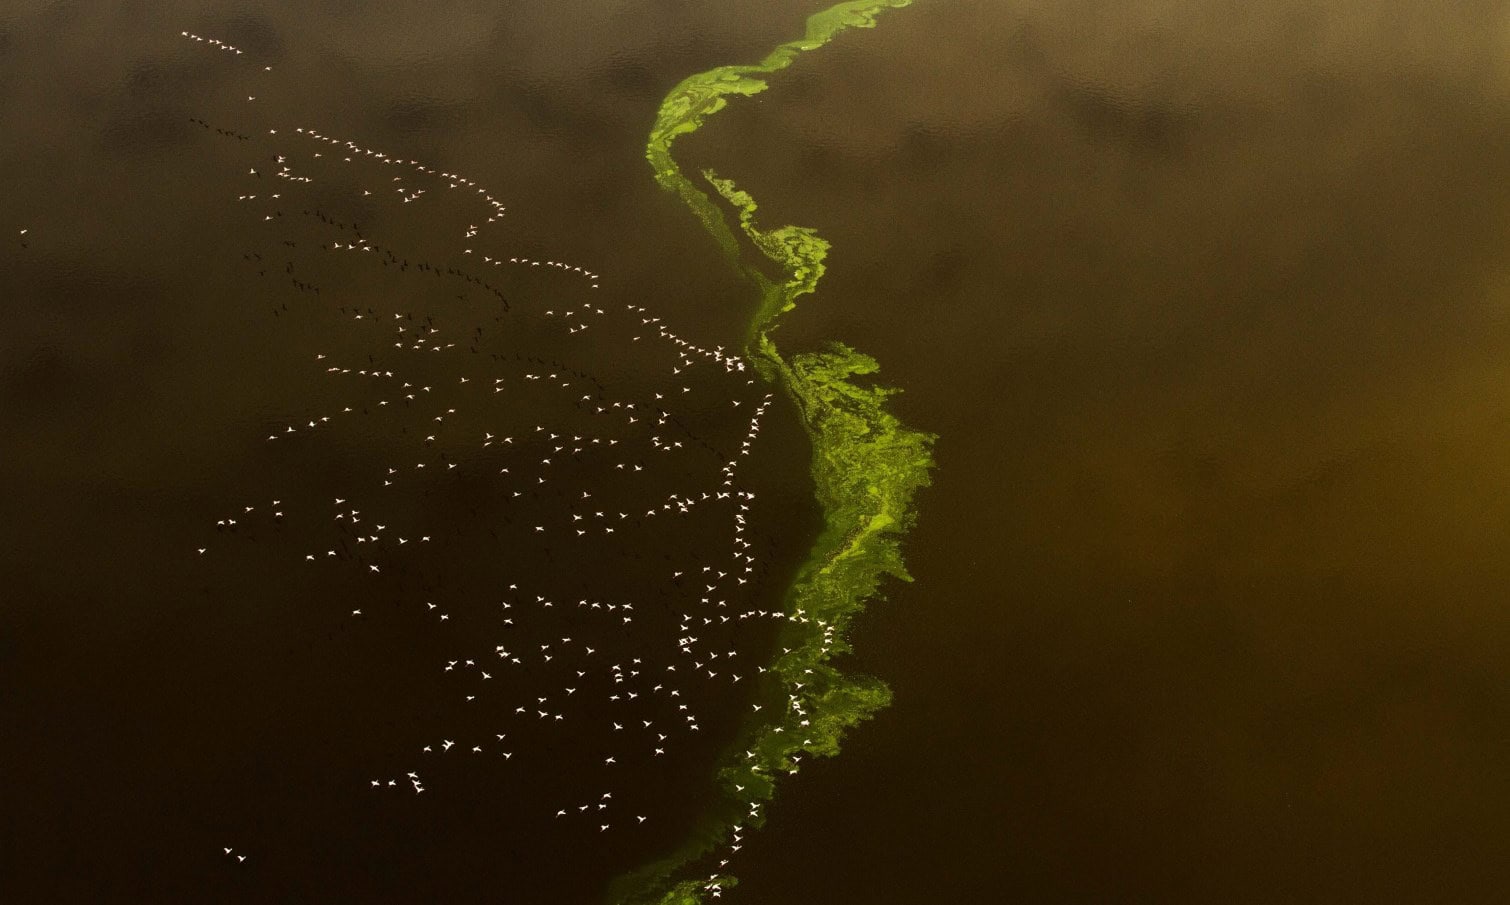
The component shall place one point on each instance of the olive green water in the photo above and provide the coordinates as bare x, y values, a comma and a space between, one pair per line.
1206, 304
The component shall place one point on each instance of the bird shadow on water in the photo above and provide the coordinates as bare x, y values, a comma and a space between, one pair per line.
494, 571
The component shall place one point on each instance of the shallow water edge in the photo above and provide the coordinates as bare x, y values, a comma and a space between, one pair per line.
867, 468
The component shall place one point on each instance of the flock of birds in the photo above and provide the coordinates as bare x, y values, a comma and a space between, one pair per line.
610, 506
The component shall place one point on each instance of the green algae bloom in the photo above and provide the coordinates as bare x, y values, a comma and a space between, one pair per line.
866, 466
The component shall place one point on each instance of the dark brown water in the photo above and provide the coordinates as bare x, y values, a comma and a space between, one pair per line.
285, 573
1205, 301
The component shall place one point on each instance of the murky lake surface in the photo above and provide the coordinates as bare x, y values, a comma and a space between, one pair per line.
1207, 303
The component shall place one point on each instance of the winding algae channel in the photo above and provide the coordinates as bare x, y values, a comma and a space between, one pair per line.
866, 467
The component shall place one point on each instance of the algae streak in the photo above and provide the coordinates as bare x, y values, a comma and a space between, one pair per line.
866, 468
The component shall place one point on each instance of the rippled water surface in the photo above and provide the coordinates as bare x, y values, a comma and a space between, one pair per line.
1207, 303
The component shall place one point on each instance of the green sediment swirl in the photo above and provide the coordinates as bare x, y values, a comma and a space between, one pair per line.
866, 468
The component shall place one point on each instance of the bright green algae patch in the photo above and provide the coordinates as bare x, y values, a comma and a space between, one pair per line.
866, 468
702, 95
